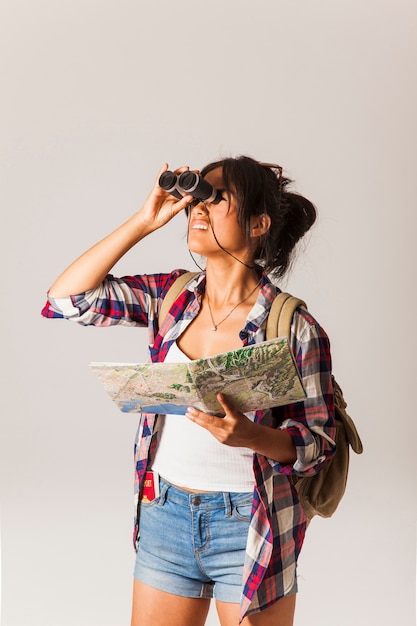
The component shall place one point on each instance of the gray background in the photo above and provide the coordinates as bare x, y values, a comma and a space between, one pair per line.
96, 96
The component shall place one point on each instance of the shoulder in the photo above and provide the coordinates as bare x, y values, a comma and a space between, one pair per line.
181, 286
310, 344
179, 277
151, 285
305, 326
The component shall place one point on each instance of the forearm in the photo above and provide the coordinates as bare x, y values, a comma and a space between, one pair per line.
273, 443
90, 268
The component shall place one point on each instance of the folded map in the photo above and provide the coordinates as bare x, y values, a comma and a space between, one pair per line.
253, 377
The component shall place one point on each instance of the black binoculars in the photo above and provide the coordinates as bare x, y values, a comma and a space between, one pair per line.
189, 183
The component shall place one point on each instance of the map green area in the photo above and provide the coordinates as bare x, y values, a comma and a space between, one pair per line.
253, 377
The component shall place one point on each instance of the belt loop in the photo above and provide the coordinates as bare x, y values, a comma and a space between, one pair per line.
227, 504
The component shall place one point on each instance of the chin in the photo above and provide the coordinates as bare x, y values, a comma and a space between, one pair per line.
198, 250
197, 247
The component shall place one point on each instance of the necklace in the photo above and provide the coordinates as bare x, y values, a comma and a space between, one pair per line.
215, 326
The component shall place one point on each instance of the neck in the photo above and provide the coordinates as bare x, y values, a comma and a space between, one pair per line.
229, 285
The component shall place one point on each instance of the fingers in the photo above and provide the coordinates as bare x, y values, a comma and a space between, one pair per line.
232, 430
194, 413
182, 169
165, 168
205, 419
224, 403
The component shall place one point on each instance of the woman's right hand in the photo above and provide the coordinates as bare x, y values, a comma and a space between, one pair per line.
160, 206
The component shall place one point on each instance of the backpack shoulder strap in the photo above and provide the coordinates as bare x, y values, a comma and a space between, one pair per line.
281, 314
279, 325
173, 292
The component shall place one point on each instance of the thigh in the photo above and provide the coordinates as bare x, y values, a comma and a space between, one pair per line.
228, 613
281, 613
152, 607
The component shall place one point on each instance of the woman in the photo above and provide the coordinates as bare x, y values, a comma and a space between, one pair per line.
227, 522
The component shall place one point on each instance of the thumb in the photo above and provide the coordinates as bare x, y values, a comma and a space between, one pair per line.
226, 406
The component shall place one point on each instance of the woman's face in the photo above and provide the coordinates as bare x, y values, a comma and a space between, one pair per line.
204, 218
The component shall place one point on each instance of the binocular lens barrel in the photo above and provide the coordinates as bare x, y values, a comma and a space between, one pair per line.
199, 188
190, 183
168, 181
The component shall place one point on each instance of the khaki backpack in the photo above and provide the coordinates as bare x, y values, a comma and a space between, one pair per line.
319, 494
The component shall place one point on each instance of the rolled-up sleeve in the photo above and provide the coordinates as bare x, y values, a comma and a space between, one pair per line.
127, 301
311, 422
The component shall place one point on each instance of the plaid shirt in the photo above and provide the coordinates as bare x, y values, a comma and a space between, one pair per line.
278, 521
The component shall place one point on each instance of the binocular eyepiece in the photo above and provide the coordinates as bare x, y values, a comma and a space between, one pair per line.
189, 183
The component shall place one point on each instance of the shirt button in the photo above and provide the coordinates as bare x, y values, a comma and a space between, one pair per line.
197, 501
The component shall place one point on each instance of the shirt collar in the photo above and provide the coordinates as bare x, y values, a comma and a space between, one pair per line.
259, 311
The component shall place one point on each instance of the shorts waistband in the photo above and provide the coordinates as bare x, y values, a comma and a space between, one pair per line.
204, 499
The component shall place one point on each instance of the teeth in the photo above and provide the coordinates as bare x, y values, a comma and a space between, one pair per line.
200, 226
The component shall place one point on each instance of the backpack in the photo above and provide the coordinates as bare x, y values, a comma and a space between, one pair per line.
319, 494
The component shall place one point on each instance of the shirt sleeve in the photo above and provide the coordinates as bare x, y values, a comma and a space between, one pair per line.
127, 301
311, 422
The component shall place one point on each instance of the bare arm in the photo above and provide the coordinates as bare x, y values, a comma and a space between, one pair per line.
90, 268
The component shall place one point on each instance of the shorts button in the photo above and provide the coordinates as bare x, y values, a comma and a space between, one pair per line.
196, 501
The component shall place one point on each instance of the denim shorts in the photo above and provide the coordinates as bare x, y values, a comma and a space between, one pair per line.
193, 544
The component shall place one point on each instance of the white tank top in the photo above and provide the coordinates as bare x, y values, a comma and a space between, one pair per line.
189, 456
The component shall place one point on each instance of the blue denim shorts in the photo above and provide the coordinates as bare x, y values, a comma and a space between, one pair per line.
193, 544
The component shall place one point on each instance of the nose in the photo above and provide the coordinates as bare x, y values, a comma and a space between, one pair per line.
198, 207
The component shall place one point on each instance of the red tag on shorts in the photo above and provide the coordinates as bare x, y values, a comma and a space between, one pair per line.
150, 486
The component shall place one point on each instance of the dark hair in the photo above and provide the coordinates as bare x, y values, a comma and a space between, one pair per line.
262, 189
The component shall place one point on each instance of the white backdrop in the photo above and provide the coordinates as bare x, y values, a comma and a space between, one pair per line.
96, 96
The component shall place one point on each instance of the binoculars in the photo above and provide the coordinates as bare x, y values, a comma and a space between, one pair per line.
189, 183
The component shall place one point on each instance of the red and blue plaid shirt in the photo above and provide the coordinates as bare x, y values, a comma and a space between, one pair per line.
278, 521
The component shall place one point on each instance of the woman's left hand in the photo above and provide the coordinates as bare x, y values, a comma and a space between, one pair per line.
234, 429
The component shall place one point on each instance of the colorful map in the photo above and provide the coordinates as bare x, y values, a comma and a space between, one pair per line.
253, 377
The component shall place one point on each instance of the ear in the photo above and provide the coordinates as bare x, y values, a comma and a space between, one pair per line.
260, 225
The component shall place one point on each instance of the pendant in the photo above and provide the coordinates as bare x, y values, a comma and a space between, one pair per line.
214, 327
